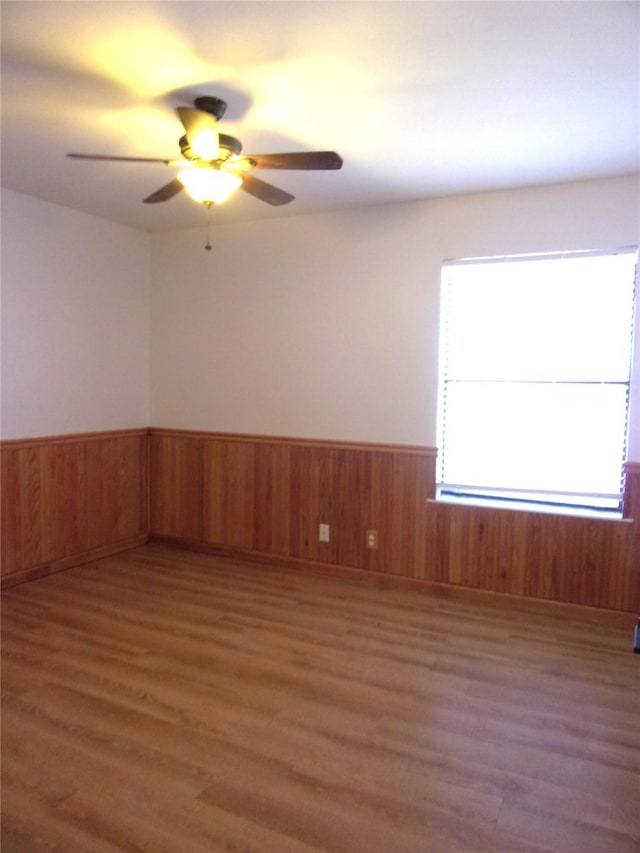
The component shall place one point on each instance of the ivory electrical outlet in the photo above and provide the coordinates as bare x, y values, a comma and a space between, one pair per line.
372, 539
325, 533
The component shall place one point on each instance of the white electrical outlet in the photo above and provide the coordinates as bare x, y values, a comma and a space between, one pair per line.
372, 539
324, 533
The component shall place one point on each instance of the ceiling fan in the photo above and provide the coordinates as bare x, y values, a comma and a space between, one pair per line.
212, 165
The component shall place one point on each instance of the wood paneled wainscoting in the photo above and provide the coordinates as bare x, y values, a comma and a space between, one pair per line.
69, 499
261, 496
264, 498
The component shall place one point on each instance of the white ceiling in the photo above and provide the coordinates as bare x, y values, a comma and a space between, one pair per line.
421, 99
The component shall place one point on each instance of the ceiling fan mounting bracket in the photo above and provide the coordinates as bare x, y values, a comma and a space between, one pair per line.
215, 106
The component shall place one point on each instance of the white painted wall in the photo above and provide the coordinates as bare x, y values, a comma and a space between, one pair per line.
319, 326
75, 321
325, 326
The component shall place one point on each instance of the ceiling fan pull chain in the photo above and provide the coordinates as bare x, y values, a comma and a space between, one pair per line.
207, 245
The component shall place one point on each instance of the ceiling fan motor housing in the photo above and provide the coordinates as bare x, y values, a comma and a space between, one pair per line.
228, 145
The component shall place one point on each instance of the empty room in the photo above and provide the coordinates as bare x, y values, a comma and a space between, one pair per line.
320, 426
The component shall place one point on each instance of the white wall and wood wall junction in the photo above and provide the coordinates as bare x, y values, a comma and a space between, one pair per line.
321, 328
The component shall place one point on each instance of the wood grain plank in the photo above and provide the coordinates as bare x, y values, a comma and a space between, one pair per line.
272, 507
312, 502
66, 497
380, 516
114, 489
352, 501
176, 483
230, 493
411, 485
26, 535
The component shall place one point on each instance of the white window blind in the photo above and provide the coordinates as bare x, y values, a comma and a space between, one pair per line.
535, 368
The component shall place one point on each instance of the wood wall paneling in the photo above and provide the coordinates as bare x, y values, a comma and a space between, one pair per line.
66, 499
272, 499
412, 484
176, 486
229, 484
352, 502
266, 497
116, 500
437, 542
239, 475
311, 499
26, 535
631, 510
381, 516
67, 493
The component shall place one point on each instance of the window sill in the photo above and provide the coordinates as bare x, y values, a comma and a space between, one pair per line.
530, 507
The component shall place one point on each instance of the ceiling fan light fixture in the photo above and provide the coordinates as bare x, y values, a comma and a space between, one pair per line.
205, 144
206, 184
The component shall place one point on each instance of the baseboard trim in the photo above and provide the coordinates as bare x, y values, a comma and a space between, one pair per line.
64, 563
543, 607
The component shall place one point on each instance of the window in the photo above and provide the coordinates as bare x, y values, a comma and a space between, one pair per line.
535, 364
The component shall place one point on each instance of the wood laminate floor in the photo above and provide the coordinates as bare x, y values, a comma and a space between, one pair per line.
163, 700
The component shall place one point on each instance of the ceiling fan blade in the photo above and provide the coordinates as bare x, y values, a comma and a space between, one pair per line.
264, 191
296, 160
122, 159
165, 193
